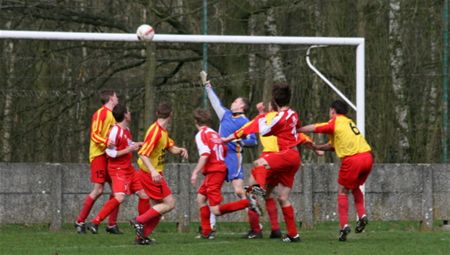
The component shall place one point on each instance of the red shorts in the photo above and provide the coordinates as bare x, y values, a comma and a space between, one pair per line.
212, 187
125, 180
283, 167
355, 170
99, 173
156, 191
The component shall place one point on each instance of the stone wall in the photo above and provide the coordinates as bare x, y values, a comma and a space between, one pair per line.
54, 193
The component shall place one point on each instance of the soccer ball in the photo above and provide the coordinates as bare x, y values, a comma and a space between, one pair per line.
145, 32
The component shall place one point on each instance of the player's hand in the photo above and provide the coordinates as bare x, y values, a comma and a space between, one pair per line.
184, 153
228, 139
319, 153
260, 107
110, 144
194, 180
204, 77
156, 177
133, 147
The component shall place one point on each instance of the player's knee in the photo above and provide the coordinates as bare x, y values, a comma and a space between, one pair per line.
97, 191
171, 204
283, 199
119, 197
240, 193
257, 163
215, 210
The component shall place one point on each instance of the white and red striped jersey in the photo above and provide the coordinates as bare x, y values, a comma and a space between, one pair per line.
210, 144
284, 126
121, 138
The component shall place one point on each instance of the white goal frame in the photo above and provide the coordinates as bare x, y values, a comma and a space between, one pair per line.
348, 41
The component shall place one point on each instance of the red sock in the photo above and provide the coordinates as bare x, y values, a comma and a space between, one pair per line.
109, 207
271, 207
204, 220
259, 173
112, 220
151, 225
87, 206
343, 209
288, 213
359, 202
147, 216
143, 205
233, 206
253, 218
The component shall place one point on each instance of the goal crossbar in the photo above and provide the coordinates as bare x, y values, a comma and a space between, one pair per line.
236, 39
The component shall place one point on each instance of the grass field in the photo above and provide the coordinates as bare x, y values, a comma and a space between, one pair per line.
379, 238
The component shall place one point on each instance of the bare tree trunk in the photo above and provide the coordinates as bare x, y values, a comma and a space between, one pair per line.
398, 81
274, 49
431, 103
9, 99
252, 64
150, 89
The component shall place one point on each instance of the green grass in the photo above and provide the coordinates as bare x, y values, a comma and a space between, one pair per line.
379, 238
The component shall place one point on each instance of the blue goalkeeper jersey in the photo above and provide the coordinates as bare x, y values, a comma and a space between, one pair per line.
229, 123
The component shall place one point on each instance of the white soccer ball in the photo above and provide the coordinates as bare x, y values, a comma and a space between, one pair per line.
145, 32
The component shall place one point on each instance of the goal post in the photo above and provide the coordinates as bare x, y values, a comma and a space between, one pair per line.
358, 42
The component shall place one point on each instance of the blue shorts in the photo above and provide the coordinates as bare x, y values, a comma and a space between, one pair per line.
233, 160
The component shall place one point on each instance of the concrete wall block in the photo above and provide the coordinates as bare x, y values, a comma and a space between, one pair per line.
28, 208
441, 178
394, 206
405, 178
26, 178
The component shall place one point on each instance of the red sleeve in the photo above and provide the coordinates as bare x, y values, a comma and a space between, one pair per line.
304, 139
250, 127
326, 127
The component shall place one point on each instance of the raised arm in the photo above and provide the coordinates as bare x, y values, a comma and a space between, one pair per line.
213, 99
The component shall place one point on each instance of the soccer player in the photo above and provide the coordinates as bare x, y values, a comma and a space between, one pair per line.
270, 145
124, 177
277, 168
151, 164
231, 120
102, 121
211, 163
356, 162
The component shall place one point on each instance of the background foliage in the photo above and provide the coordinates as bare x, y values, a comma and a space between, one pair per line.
48, 89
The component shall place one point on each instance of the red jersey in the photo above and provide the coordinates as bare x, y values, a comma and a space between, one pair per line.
284, 126
121, 138
210, 144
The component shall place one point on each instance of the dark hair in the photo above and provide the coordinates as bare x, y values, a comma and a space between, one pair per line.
339, 106
202, 117
119, 112
281, 94
246, 103
164, 110
105, 95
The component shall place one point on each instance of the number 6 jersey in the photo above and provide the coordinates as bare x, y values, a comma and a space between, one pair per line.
345, 137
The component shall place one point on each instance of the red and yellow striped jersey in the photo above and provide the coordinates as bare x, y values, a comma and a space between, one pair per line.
102, 121
156, 142
344, 136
